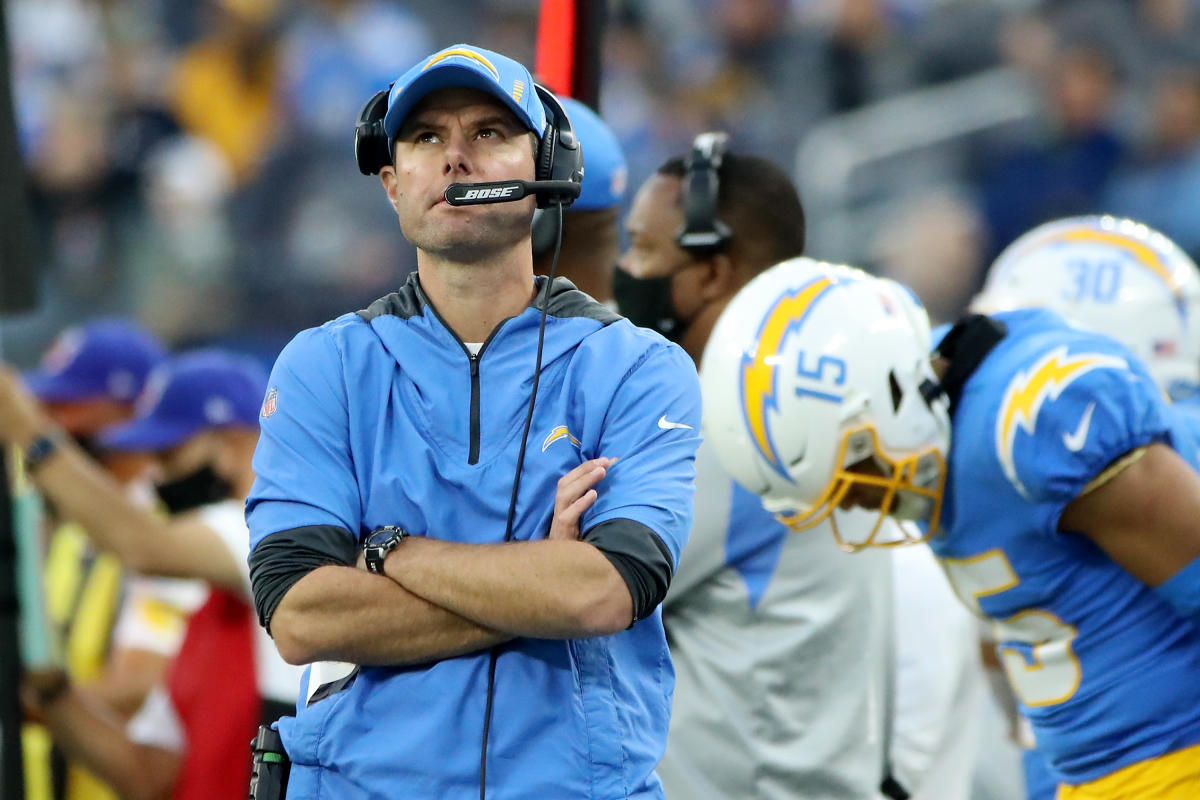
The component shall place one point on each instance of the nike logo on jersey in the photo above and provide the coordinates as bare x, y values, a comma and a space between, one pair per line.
1075, 441
1030, 389
667, 426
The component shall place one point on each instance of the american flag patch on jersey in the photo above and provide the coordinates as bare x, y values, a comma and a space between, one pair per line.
1164, 348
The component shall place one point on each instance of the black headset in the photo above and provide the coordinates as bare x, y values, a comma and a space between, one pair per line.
559, 156
703, 232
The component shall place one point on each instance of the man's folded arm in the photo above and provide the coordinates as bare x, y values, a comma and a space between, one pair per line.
319, 607
615, 575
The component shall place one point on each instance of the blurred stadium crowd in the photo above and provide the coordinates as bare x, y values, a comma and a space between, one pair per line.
191, 162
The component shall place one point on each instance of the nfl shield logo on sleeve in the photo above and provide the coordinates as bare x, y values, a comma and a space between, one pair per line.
269, 402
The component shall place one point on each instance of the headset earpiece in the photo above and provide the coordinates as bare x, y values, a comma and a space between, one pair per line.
372, 150
703, 232
560, 156
545, 156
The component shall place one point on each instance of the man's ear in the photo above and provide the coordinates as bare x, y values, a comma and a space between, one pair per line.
720, 279
391, 185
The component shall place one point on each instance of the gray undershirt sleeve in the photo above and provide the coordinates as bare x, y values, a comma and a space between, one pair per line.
641, 558
283, 558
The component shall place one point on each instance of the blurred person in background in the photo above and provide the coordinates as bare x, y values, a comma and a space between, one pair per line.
117, 630
782, 643
591, 226
55, 44
226, 84
332, 246
181, 257
1160, 185
198, 420
635, 90
333, 52
80, 199
1168, 31
933, 242
1065, 170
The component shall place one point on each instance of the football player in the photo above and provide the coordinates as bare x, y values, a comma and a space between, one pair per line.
1063, 508
1124, 279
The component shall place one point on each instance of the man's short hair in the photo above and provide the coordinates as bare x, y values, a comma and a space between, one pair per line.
759, 203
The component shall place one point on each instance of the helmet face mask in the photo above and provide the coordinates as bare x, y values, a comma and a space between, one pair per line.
910, 487
1115, 276
813, 387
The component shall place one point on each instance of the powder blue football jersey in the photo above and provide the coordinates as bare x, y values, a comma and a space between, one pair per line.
1107, 672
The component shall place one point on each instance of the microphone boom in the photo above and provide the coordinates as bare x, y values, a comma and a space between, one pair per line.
471, 194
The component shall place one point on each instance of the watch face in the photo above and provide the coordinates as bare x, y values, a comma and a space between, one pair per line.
384, 535
377, 537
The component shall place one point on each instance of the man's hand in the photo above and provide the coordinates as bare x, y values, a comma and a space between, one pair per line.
575, 495
21, 417
40, 688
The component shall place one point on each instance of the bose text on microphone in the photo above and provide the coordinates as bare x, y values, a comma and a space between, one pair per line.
468, 194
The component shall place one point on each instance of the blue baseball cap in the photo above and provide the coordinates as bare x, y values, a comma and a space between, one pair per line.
188, 394
606, 175
463, 65
104, 359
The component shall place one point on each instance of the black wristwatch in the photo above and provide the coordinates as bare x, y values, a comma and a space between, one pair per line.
41, 448
379, 543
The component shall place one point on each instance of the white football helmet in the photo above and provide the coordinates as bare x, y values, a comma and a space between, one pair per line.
813, 386
1113, 275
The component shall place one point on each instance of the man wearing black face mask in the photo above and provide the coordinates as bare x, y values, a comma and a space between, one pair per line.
198, 418
763, 624
755, 216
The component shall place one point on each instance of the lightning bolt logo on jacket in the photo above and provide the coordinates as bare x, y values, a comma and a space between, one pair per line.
785, 316
559, 432
1029, 391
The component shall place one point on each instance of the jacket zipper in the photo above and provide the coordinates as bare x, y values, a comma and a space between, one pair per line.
473, 453
473, 457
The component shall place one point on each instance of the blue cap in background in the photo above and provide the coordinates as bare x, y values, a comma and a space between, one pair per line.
188, 394
104, 359
606, 175
463, 65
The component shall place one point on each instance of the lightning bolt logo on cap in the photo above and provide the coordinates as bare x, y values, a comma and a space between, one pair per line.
1029, 391
758, 375
463, 52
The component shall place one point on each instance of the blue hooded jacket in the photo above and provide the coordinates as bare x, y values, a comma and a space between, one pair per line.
384, 418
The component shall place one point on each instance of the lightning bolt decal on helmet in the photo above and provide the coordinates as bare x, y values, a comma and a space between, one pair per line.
812, 389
